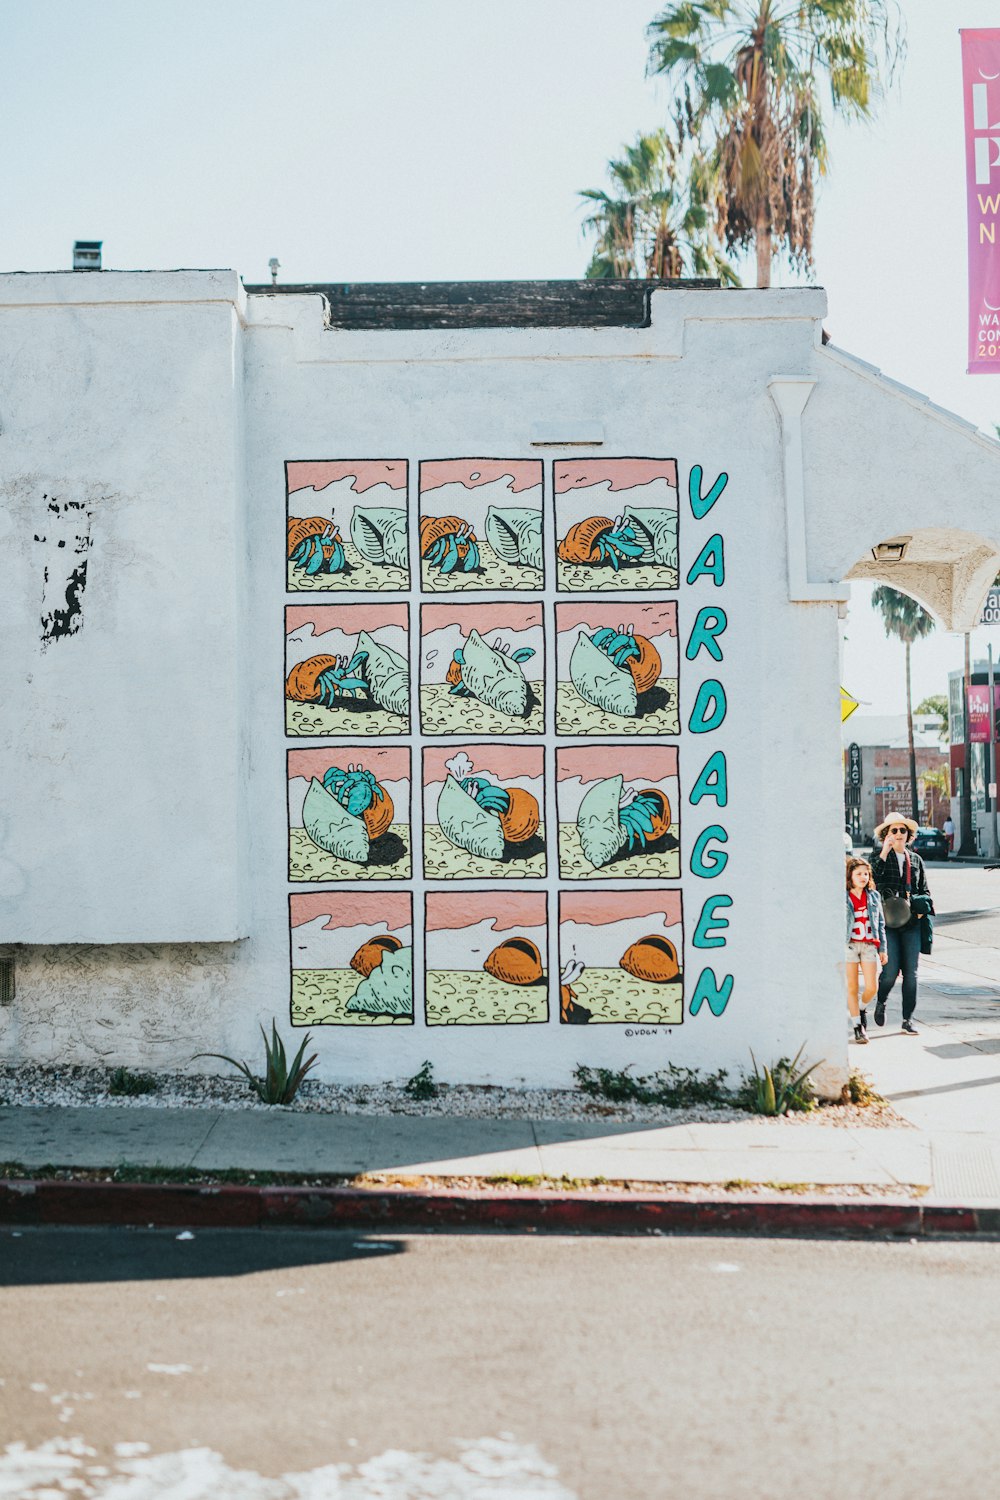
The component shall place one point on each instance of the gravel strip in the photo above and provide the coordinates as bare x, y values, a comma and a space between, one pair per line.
48, 1087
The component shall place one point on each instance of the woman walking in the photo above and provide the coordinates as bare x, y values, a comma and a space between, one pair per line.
902, 883
866, 942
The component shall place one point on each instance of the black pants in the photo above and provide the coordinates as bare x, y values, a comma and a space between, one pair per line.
903, 944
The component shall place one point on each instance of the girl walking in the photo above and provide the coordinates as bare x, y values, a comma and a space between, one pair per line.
866, 942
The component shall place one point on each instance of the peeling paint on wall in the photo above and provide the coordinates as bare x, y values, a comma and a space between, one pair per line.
64, 536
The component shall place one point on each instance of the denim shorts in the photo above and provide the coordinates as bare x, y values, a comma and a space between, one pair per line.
862, 953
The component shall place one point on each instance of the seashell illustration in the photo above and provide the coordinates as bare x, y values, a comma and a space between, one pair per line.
387, 675
515, 534
601, 833
379, 533
468, 825
494, 678
515, 961
388, 989
303, 680
651, 958
371, 954
656, 531
520, 821
333, 828
610, 683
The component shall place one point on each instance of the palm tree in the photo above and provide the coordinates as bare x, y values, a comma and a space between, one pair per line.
750, 74
908, 621
659, 219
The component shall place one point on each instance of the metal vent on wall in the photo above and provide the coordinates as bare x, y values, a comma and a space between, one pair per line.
6, 981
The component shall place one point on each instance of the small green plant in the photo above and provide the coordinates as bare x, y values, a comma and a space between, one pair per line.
776, 1090
280, 1083
673, 1086
422, 1085
124, 1082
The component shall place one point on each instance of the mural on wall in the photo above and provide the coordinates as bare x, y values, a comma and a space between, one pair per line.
481, 669
485, 958
347, 669
616, 668
616, 524
481, 524
618, 810
349, 814
483, 812
620, 957
351, 958
347, 526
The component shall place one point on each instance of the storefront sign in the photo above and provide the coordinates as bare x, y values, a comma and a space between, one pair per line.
981, 84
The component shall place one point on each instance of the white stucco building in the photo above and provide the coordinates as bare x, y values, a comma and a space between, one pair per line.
145, 423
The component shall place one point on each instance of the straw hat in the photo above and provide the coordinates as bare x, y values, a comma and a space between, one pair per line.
887, 823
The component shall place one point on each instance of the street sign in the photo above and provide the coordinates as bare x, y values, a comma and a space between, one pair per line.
991, 609
854, 765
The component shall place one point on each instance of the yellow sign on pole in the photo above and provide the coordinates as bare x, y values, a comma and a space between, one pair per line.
847, 704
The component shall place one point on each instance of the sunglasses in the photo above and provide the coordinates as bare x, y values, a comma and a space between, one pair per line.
899, 830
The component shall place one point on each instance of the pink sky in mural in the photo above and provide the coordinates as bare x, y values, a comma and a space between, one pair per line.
596, 907
366, 473
636, 762
649, 619
481, 617
350, 910
524, 473
503, 760
391, 764
623, 473
506, 909
351, 618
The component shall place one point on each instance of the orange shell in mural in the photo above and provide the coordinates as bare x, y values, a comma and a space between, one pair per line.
651, 958
432, 528
520, 821
515, 961
301, 684
300, 527
646, 667
371, 954
577, 546
378, 817
661, 820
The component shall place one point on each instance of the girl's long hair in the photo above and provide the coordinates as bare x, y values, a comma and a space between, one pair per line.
852, 865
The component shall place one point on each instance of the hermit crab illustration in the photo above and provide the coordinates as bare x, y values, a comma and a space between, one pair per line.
386, 987
571, 1012
491, 673
347, 812
612, 668
315, 545
374, 676
653, 959
600, 541
477, 814
515, 961
615, 818
448, 544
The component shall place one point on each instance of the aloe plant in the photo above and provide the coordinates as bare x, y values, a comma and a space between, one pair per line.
779, 1088
281, 1082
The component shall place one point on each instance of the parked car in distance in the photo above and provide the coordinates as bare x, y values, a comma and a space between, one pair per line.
931, 843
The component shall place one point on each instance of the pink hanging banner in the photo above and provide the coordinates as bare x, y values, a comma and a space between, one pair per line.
981, 82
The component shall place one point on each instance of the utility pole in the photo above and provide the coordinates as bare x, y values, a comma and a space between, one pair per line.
967, 844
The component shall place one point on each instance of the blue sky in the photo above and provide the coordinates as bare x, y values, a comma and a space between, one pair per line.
439, 139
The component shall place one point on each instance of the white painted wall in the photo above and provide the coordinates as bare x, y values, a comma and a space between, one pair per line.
143, 759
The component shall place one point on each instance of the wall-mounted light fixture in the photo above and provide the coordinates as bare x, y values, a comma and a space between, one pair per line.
87, 255
892, 551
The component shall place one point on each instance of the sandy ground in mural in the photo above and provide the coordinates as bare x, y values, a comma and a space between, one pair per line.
497, 575
614, 995
310, 719
662, 861
320, 996
580, 578
471, 997
444, 861
444, 712
574, 715
364, 577
390, 858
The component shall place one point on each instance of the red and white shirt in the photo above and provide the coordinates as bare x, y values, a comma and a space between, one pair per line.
861, 929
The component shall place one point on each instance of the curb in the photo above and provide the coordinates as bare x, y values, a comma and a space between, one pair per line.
149, 1205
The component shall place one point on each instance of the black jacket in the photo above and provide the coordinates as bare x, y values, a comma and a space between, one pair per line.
890, 881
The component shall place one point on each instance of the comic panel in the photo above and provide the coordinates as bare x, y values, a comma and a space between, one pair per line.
616, 676
485, 953
623, 824
347, 526
352, 958
481, 524
349, 814
616, 523
481, 669
483, 812
620, 956
347, 670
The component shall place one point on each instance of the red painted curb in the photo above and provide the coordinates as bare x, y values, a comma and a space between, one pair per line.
170, 1205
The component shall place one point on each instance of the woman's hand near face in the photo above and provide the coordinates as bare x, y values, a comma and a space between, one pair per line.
887, 847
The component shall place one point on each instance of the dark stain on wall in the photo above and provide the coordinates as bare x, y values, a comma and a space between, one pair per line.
66, 542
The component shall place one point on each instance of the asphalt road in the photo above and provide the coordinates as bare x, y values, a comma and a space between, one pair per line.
548, 1368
